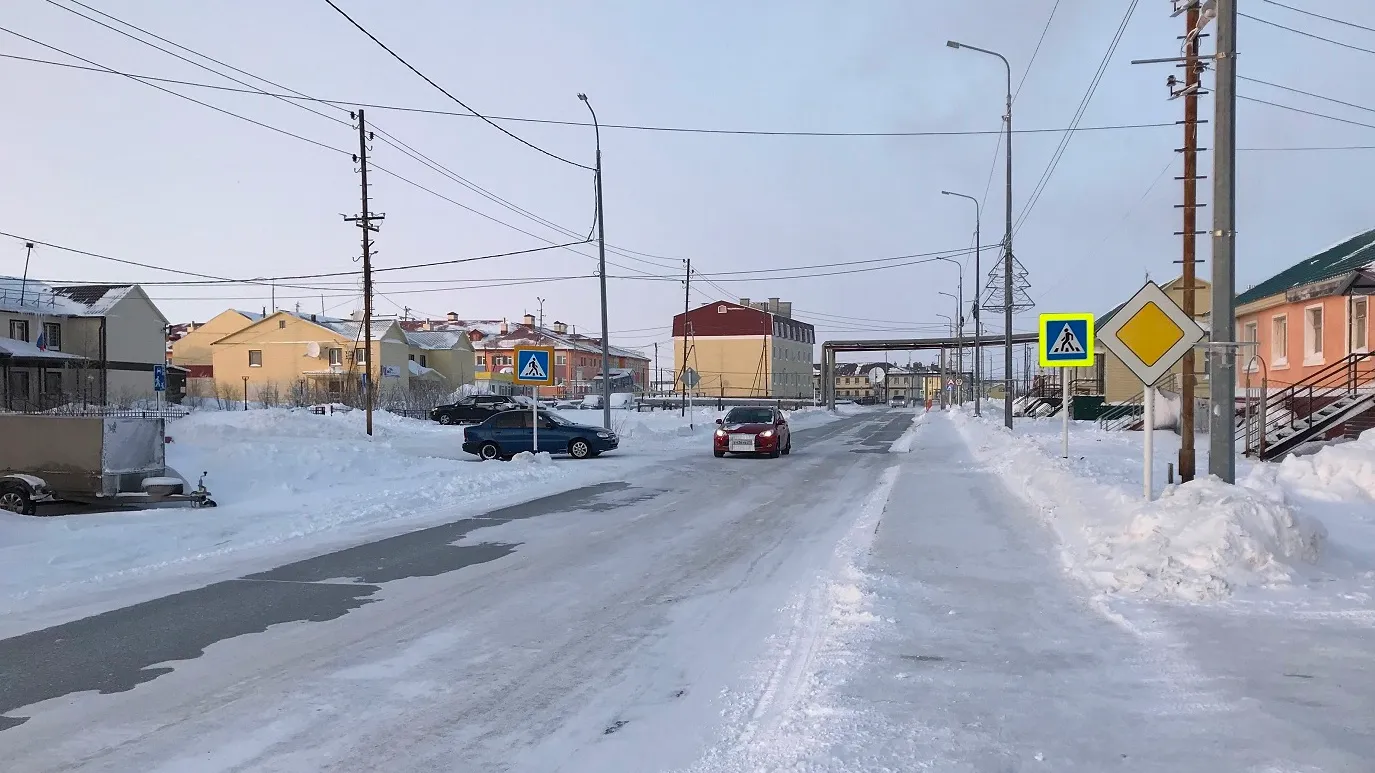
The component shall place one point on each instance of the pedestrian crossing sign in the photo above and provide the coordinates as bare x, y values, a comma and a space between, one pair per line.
1066, 340
534, 365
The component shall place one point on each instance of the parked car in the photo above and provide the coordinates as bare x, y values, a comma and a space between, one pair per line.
511, 432
567, 405
592, 402
752, 430
897, 401
473, 409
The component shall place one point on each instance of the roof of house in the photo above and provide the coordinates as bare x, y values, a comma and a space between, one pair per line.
352, 329
10, 347
435, 339
98, 298
1354, 253
520, 334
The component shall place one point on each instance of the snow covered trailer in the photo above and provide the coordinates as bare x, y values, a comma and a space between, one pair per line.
88, 459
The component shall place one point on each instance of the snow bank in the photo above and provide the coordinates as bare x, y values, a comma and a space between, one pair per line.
1337, 472
1198, 541
903, 445
279, 476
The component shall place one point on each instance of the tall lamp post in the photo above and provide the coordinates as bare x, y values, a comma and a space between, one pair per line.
1007, 239
941, 389
959, 308
601, 272
958, 324
978, 250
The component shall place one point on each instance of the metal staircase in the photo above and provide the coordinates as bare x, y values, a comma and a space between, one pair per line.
1276, 424
1131, 415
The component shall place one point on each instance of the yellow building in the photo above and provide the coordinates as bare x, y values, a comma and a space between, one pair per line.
306, 359
745, 350
1121, 385
193, 349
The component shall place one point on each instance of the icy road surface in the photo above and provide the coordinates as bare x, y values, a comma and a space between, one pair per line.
878, 601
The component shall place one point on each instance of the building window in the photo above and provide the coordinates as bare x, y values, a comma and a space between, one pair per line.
1312, 334
360, 356
52, 382
1360, 312
721, 309
281, 324
19, 329
560, 359
336, 358
255, 358
52, 336
412, 358
422, 362
1279, 341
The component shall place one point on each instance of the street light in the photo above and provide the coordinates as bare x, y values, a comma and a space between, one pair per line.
959, 338
941, 388
601, 272
1007, 239
959, 309
978, 251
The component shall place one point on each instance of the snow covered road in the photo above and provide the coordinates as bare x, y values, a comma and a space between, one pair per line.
878, 601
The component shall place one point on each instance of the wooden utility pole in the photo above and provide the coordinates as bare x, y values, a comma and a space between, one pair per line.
1193, 68
687, 300
365, 221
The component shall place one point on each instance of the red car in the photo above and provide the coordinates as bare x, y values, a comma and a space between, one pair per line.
752, 431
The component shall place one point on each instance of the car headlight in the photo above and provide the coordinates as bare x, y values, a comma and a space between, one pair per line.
604, 435
766, 433
720, 433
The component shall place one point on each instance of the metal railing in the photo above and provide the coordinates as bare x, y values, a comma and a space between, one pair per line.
1126, 415
1294, 406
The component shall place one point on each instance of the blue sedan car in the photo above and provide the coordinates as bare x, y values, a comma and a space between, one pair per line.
511, 432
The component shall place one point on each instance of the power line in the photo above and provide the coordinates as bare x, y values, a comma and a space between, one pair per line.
445, 92
1320, 16
1305, 34
1307, 93
553, 122
1306, 112
1059, 153
1036, 50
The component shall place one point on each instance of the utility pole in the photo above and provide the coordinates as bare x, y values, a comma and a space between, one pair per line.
541, 312
1222, 364
601, 269
365, 221
1192, 70
653, 387
687, 296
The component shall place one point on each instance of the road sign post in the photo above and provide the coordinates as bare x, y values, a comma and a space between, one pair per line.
535, 368
1149, 334
691, 379
1066, 341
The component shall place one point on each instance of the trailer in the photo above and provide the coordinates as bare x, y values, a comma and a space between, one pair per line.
96, 460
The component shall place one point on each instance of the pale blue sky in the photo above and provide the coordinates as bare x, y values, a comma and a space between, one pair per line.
108, 165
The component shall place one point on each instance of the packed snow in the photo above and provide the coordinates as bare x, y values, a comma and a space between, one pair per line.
1197, 541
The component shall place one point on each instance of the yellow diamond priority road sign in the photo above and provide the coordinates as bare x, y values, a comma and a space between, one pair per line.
1150, 333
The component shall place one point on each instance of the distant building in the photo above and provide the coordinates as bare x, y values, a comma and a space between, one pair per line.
745, 349
577, 358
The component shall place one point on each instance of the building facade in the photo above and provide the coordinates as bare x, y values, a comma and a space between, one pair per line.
1308, 317
745, 350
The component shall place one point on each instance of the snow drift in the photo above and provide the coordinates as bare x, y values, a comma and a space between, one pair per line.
1198, 541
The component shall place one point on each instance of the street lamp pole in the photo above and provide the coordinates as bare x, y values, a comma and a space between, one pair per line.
978, 350
959, 345
941, 388
601, 272
1007, 240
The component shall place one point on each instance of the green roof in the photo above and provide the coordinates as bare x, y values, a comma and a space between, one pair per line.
1352, 254
1103, 318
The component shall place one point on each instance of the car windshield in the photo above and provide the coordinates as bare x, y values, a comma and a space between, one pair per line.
750, 416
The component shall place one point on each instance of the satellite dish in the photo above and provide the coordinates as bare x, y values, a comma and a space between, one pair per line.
877, 375
312, 349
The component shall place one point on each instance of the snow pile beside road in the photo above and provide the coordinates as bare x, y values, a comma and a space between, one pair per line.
1344, 471
279, 476
903, 445
1198, 541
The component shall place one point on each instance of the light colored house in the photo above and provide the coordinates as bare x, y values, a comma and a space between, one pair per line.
1310, 316
310, 358
745, 349
189, 346
448, 353
77, 343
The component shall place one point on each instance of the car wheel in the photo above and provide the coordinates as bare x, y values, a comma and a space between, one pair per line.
788, 449
579, 449
445, 418
488, 452
15, 498
775, 453
718, 454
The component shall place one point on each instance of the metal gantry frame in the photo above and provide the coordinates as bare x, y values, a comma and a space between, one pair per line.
829, 349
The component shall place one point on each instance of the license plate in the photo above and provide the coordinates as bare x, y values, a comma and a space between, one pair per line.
742, 442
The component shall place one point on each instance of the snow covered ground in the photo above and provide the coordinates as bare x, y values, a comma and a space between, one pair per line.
1305, 521
289, 482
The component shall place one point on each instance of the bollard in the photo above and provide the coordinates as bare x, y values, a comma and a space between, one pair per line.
1169, 473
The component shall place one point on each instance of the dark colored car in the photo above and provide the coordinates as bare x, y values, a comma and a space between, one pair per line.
748, 430
506, 434
473, 409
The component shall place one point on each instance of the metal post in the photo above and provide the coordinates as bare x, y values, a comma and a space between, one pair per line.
1064, 409
245, 393
534, 414
1222, 365
687, 295
601, 270
1148, 426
